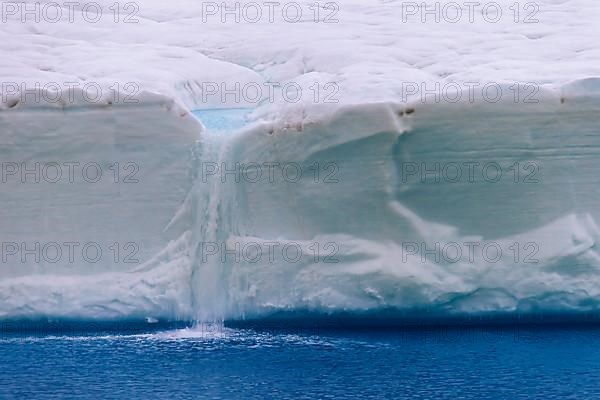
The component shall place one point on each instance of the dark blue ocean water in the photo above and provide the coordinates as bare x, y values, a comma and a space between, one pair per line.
453, 363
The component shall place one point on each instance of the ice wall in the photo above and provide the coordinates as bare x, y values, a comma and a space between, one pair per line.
401, 219
109, 177
357, 221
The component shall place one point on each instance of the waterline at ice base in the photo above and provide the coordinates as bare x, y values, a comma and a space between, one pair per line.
382, 213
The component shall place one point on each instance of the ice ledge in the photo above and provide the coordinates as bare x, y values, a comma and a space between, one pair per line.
91, 173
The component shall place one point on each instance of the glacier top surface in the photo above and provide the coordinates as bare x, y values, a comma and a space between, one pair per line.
355, 51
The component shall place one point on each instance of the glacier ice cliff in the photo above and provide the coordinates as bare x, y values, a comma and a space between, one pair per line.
398, 236
404, 203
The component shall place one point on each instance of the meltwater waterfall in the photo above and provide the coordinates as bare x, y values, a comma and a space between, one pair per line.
213, 206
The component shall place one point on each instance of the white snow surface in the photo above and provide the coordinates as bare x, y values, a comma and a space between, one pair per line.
371, 130
373, 49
